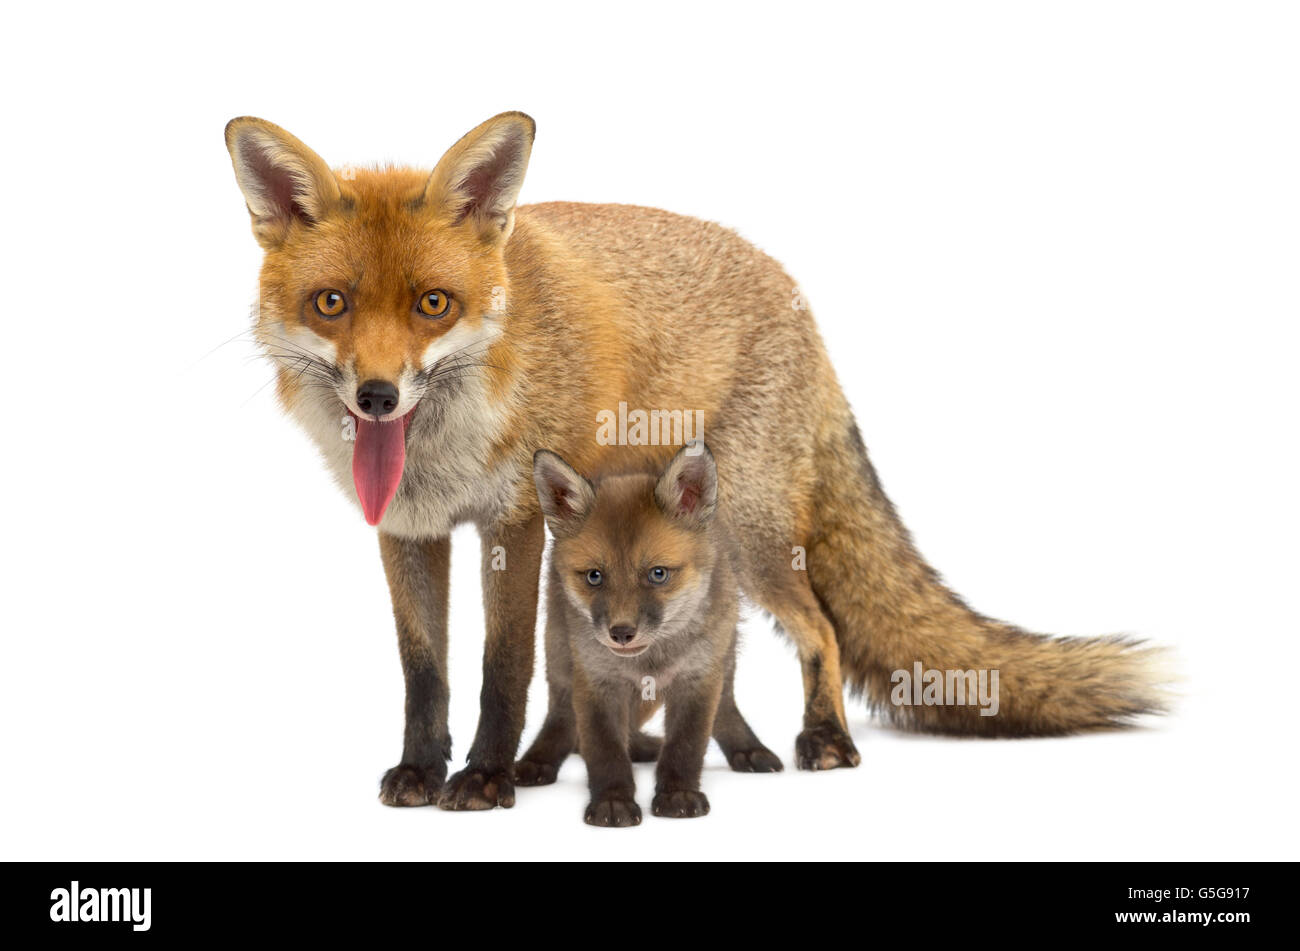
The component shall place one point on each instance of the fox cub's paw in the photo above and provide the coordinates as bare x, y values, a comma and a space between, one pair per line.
682, 804
759, 760
535, 773
406, 785
615, 813
825, 747
475, 789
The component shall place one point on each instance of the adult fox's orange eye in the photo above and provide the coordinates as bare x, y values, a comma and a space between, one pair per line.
435, 303
330, 304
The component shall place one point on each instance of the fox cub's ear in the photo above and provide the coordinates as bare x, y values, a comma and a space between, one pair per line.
282, 180
565, 496
478, 180
688, 489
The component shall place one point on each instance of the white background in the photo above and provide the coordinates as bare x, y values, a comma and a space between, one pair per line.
1052, 248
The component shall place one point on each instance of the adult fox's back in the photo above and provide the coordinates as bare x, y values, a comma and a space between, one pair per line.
712, 318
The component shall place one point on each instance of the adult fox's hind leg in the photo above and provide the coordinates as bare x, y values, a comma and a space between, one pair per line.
540, 764
771, 525
787, 594
745, 752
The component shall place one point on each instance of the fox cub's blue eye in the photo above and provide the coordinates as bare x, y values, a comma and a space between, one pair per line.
594, 577
435, 303
658, 575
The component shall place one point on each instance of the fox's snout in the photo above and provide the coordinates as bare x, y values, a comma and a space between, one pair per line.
622, 634
377, 398
622, 639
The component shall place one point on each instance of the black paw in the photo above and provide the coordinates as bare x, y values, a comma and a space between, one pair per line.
474, 789
532, 773
682, 804
759, 760
614, 813
825, 747
412, 785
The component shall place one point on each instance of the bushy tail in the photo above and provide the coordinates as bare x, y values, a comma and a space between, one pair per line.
891, 611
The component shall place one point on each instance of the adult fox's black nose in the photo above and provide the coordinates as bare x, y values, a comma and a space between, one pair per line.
377, 397
622, 633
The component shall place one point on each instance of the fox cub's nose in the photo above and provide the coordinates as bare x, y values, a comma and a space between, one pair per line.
622, 633
377, 397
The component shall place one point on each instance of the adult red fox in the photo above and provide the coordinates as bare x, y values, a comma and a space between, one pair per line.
453, 334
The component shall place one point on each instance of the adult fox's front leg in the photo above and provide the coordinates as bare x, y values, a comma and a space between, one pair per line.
418, 578
512, 560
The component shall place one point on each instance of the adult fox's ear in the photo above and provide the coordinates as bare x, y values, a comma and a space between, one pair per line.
283, 181
688, 489
477, 182
565, 496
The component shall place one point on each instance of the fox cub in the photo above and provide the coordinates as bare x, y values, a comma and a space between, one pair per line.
644, 602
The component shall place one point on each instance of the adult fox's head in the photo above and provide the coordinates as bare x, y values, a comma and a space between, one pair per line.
634, 553
379, 284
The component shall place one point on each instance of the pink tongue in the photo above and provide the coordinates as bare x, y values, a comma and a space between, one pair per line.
377, 461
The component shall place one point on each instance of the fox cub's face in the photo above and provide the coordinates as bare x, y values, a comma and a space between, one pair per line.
634, 554
379, 287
